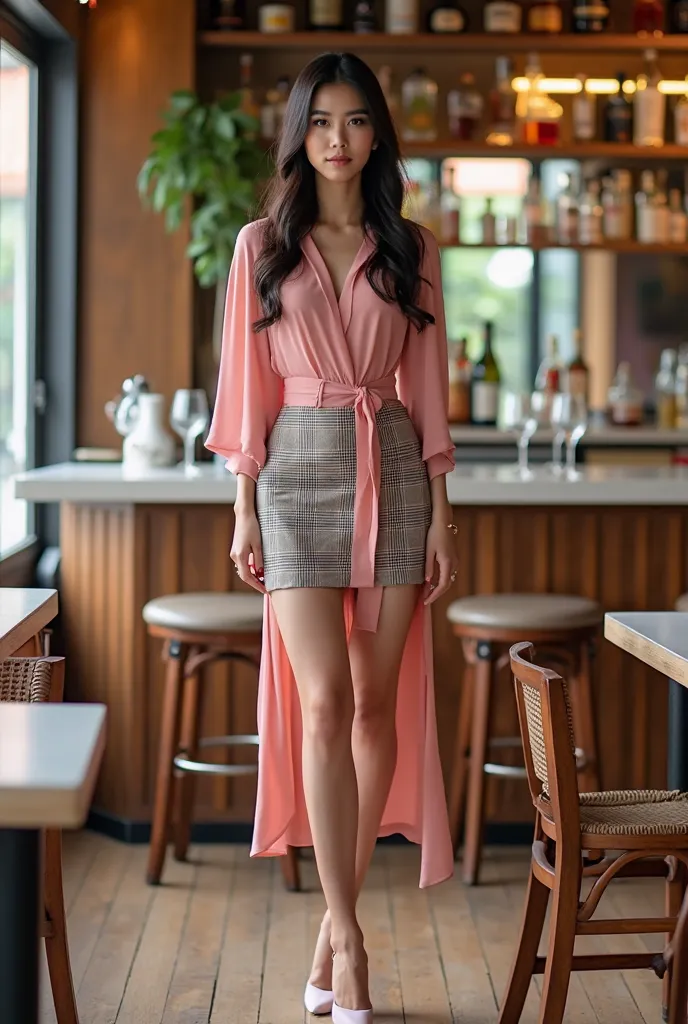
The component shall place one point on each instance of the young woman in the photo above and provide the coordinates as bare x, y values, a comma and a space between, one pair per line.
331, 410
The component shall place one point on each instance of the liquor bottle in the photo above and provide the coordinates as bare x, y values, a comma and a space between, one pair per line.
678, 16
460, 372
464, 108
535, 231
648, 17
652, 212
549, 375
485, 385
248, 102
272, 111
682, 387
678, 219
502, 16
665, 390
545, 16
231, 15
538, 116
489, 223
566, 211
365, 19
624, 400
577, 372
419, 107
590, 15
617, 204
649, 104
401, 17
502, 105
681, 119
590, 215
618, 114
450, 210
584, 113
325, 15
447, 17
386, 79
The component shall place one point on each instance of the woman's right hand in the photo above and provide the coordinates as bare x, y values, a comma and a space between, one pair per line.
247, 550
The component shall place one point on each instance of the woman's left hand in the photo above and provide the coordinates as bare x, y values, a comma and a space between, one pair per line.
441, 560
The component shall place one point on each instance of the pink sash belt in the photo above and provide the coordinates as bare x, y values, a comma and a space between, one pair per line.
367, 401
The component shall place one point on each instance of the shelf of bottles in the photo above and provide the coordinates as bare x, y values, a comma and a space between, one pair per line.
426, 41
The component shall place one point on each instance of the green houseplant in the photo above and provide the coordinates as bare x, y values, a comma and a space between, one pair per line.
206, 153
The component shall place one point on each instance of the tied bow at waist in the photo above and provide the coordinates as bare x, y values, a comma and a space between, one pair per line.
367, 401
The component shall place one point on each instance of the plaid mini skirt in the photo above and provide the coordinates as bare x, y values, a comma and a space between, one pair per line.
305, 498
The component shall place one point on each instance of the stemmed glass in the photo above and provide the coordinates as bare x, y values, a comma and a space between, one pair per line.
189, 416
520, 417
569, 418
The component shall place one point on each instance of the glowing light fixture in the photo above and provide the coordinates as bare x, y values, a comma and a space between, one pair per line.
598, 86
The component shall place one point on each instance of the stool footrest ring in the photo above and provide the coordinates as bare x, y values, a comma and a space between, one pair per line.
185, 764
509, 770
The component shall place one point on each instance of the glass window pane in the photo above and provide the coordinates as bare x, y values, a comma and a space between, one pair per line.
17, 286
559, 272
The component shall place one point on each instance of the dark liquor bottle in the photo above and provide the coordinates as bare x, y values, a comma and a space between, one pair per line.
545, 16
230, 15
364, 17
447, 17
590, 15
678, 16
648, 17
485, 385
618, 115
325, 15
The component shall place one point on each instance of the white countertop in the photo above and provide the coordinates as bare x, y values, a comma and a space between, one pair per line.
49, 760
107, 483
24, 611
595, 436
660, 639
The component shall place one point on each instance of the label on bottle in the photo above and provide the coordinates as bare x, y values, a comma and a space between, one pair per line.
577, 381
502, 16
485, 395
584, 117
678, 227
681, 123
447, 19
325, 13
591, 12
401, 17
545, 18
650, 105
619, 123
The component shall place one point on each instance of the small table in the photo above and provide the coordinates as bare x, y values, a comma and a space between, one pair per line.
660, 639
49, 760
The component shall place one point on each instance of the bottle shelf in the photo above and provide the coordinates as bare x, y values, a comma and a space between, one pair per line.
629, 246
571, 151
483, 42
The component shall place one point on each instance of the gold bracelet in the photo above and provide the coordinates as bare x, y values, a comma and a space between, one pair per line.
451, 526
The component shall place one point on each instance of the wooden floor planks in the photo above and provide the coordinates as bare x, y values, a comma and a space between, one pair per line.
221, 942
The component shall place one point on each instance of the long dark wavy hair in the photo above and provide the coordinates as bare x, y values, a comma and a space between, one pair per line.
290, 203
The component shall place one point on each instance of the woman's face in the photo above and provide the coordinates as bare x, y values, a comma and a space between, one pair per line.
340, 135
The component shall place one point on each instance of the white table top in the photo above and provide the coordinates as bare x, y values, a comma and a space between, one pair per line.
49, 760
660, 639
23, 612
108, 483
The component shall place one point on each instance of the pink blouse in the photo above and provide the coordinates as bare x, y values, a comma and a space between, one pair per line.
346, 352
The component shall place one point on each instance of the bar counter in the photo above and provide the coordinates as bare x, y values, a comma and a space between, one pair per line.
615, 534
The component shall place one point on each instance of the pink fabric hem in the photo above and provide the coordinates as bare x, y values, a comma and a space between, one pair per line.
416, 806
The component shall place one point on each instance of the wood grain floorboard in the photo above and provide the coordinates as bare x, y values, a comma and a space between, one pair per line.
222, 942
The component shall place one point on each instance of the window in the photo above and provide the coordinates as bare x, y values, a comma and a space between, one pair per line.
18, 87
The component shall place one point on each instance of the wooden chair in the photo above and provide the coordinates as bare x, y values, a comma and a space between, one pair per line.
566, 626
198, 629
649, 827
42, 679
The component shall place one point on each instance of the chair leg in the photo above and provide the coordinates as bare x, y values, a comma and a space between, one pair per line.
457, 786
562, 935
475, 810
584, 720
537, 898
56, 948
290, 870
675, 893
185, 788
169, 736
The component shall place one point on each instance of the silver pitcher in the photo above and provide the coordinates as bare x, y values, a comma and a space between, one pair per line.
123, 410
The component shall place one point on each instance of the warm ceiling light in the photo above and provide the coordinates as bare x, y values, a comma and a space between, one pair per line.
598, 86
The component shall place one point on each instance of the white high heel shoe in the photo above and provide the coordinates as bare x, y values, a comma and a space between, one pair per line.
340, 1014
318, 1001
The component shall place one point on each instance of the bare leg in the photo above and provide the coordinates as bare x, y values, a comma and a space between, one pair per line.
311, 623
375, 662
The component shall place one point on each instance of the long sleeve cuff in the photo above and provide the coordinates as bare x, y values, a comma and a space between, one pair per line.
443, 462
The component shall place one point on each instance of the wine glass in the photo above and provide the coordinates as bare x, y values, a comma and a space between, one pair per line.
560, 416
579, 425
189, 416
570, 420
518, 419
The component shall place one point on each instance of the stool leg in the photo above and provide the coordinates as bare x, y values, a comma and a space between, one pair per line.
56, 946
169, 735
290, 870
584, 720
475, 811
457, 786
674, 894
185, 789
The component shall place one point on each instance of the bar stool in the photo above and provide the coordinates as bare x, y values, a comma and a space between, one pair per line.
197, 629
565, 628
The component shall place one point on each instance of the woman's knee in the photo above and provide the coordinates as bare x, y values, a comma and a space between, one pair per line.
374, 708
327, 711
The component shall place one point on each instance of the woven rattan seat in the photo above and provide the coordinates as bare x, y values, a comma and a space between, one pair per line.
25, 679
642, 812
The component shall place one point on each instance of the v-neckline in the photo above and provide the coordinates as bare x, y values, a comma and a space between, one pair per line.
327, 276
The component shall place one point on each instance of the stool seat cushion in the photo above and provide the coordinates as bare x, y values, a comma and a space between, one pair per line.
525, 611
206, 612
682, 603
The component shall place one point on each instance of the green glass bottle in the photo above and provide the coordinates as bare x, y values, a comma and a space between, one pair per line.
485, 385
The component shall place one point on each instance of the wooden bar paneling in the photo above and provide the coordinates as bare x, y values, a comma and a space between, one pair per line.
116, 558
135, 282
